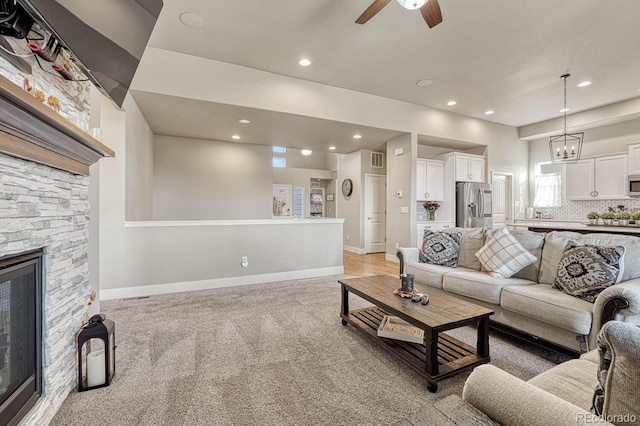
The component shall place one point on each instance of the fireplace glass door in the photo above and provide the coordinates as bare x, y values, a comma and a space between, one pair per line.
20, 323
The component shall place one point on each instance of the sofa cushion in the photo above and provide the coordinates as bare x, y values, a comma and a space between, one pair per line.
479, 285
554, 243
472, 240
428, 274
585, 270
631, 245
572, 381
502, 255
548, 305
533, 242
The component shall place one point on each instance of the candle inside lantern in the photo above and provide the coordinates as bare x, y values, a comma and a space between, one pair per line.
96, 368
573, 150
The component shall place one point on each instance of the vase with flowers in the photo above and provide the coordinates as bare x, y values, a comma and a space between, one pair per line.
431, 207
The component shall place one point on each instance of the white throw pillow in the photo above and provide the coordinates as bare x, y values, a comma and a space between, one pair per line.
502, 255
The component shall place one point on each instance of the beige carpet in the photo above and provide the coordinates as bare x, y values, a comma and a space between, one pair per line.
267, 354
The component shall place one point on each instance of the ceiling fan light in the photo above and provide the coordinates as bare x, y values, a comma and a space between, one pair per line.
412, 4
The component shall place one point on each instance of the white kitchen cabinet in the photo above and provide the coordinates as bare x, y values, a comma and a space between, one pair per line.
634, 158
469, 167
430, 180
444, 225
420, 231
603, 177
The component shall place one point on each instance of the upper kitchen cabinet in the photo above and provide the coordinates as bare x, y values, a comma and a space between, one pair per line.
468, 167
634, 158
430, 180
602, 177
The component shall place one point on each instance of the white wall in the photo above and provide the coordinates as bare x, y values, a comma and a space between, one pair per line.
401, 176
203, 179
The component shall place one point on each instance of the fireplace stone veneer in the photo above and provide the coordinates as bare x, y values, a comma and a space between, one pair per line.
43, 207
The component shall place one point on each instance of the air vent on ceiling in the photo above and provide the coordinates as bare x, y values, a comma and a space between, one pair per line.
377, 160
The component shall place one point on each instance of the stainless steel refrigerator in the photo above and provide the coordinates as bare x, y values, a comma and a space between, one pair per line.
473, 205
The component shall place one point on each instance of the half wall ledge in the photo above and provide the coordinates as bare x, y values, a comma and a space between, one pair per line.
32, 131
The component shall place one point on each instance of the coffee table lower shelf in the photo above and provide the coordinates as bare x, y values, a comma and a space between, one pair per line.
453, 355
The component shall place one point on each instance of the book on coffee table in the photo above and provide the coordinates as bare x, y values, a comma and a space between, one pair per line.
396, 328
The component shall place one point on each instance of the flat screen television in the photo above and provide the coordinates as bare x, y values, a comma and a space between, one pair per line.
105, 37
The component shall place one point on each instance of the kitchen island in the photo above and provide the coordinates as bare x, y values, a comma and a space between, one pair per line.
581, 227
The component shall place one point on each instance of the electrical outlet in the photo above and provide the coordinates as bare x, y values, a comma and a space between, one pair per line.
397, 246
245, 261
347, 237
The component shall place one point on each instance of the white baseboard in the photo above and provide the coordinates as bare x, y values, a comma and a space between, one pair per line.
148, 290
355, 250
391, 258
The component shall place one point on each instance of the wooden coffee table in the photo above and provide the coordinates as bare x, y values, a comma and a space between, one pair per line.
440, 356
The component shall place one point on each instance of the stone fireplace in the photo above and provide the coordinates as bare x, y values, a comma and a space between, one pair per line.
44, 204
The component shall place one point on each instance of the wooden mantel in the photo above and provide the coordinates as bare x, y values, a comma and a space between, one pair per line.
31, 130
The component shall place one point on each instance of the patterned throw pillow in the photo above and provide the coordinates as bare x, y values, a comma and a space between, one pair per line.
585, 270
440, 248
502, 255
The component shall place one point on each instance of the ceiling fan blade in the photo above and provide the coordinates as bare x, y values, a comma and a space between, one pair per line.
431, 13
371, 11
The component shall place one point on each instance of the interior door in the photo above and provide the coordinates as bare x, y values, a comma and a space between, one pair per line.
375, 214
501, 186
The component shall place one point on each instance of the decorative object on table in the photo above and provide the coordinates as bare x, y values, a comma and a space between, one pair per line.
608, 217
405, 294
425, 299
593, 218
417, 298
39, 94
347, 187
54, 103
96, 353
623, 218
431, 207
407, 282
558, 144
396, 328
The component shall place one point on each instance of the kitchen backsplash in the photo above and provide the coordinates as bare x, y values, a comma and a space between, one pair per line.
577, 210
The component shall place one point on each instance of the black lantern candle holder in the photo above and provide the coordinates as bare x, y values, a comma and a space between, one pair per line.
96, 353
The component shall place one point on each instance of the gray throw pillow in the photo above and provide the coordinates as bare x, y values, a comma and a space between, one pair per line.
441, 248
585, 270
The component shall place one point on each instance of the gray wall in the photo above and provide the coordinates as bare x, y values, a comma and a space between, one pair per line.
203, 179
350, 207
401, 176
139, 165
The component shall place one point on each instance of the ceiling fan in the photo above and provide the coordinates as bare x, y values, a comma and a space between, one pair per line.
430, 10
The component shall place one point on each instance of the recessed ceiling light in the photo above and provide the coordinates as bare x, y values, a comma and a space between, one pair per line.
565, 109
244, 121
424, 83
306, 152
356, 136
191, 20
332, 148
451, 103
584, 84
489, 112
304, 62
235, 137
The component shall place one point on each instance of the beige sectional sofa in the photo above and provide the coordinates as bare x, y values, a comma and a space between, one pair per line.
526, 304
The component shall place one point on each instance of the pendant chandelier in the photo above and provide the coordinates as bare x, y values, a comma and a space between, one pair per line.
412, 4
566, 147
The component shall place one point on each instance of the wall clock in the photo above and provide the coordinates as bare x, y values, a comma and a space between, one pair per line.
347, 187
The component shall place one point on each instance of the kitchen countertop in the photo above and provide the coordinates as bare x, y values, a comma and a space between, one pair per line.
576, 226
